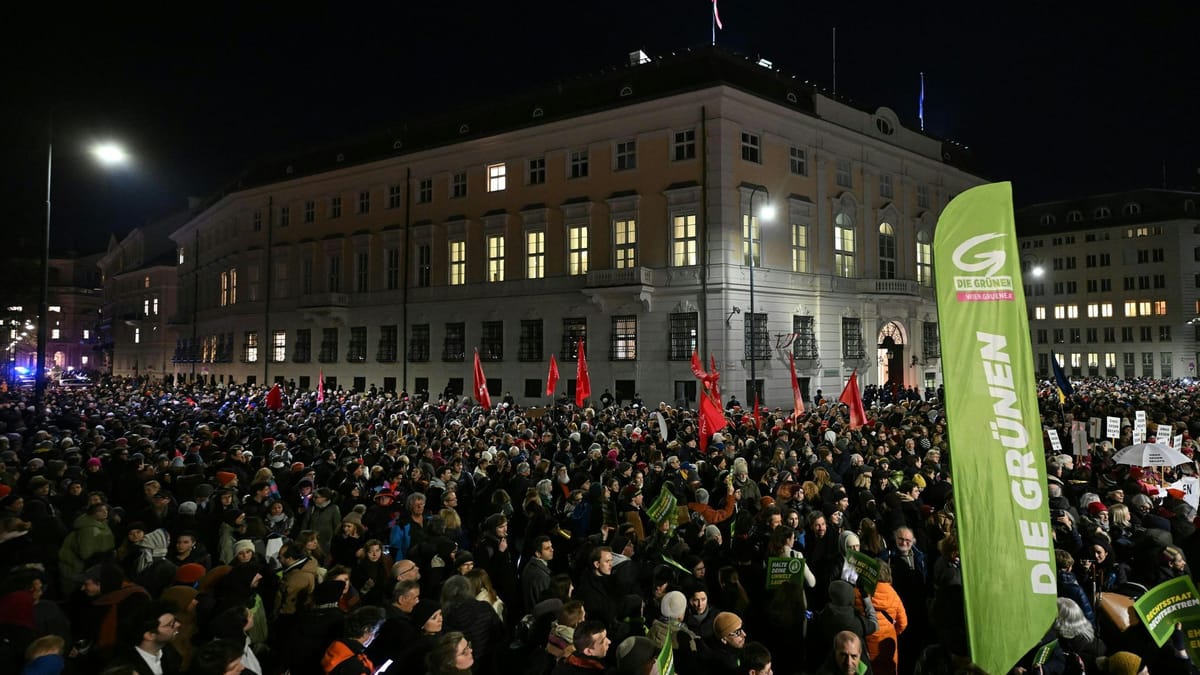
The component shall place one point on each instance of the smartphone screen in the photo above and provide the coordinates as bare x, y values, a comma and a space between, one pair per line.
386, 664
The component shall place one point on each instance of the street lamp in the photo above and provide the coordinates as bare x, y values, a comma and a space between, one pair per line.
108, 154
766, 213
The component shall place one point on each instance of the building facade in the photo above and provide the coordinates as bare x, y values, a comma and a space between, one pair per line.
628, 211
1111, 283
73, 314
139, 274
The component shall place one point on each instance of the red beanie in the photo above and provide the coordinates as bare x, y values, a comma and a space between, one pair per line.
1096, 507
226, 477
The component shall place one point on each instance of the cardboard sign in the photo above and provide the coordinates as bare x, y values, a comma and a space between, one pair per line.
1054, 440
1114, 427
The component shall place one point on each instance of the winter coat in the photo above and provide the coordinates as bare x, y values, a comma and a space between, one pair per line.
88, 539
893, 619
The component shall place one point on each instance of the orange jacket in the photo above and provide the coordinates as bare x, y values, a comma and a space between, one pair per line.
884, 600
711, 515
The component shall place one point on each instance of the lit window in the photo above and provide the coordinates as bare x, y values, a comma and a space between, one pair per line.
1160, 307
751, 241
1060, 312
1144, 308
497, 177
83, 360
1039, 313
279, 346
1072, 311
577, 250
625, 237
843, 245
1130, 308
137, 336
684, 245
887, 251
87, 334
495, 246
55, 334
251, 347
799, 247
458, 263
1093, 310
535, 255
1106, 309
54, 308
925, 259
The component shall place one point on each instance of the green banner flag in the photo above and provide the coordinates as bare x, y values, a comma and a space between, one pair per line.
780, 570
867, 567
999, 477
1169, 603
666, 657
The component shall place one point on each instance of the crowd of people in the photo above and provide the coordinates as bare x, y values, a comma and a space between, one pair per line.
207, 529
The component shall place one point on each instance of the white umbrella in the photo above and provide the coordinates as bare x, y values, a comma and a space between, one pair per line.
1150, 454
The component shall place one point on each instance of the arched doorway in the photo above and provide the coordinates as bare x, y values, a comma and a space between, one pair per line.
891, 356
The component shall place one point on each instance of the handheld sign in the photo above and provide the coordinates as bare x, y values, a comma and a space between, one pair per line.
1164, 434
780, 570
1167, 604
1054, 440
1114, 427
1094, 427
867, 567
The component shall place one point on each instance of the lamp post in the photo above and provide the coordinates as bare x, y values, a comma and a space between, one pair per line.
767, 212
108, 154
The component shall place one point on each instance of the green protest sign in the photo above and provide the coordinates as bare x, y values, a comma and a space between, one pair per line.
867, 567
1169, 603
671, 561
1044, 653
780, 570
663, 506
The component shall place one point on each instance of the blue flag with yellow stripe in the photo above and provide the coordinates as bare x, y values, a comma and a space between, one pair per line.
1061, 383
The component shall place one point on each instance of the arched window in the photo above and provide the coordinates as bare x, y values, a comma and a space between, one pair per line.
924, 259
1075, 217
887, 251
1132, 209
843, 245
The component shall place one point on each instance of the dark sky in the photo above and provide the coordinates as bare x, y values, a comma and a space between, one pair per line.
1063, 103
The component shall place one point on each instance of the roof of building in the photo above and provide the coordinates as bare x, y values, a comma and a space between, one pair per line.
1113, 209
691, 70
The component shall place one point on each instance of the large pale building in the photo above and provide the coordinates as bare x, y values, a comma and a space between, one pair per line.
139, 276
628, 210
1111, 283
72, 314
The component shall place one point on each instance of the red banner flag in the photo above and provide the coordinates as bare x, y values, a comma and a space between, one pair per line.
851, 397
712, 419
757, 413
320, 386
275, 398
797, 399
481, 390
552, 377
583, 383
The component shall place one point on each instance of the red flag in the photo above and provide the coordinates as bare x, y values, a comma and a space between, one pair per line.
716, 378
481, 390
583, 383
757, 413
852, 398
552, 377
712, 419
320, 386
797, 400
275, 398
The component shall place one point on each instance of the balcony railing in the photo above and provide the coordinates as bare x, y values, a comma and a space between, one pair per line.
325, 300
630, 276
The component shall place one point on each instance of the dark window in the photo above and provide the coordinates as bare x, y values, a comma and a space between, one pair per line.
533, 389
491, 343
329, 345
454, 344
804, 346
358, 345
303, 351
418, 343
389, 384
931, 345
757, 341
531, 340
360, 384
424, 265
574, 330
852, 342
388, 338
683, 335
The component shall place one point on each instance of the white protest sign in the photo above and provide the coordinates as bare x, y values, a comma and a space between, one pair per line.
1139, 427
1079, 439
1164, 434
1054, 442
1178, 444
1191, 490
1094, 427
1114, 427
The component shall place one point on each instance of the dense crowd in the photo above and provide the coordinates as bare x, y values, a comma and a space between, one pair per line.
204, 529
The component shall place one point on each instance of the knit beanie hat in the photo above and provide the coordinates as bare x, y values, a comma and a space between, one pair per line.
1096, 507
673, 605
1121, 663
841, 593
242, 545
725, 623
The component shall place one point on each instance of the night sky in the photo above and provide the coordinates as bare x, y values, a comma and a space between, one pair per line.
1062, 103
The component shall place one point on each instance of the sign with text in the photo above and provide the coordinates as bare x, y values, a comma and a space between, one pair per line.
1191, 490
1094, 426
1169, 603
1054, 440
1164, 434
780, 570
1114, 427
867, 567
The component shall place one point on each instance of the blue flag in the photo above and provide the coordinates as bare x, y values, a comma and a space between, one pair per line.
1061, 383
